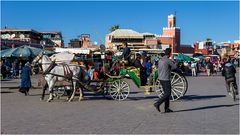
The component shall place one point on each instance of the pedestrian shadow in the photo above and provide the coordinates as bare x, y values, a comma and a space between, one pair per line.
6, 92
96, 96
197, 97
206, 107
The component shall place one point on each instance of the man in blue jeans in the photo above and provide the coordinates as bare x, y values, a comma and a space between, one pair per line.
165, 66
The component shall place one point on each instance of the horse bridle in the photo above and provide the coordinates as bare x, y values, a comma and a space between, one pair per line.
36, 60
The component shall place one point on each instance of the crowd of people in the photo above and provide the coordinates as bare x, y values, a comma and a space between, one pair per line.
205, 66
11, 69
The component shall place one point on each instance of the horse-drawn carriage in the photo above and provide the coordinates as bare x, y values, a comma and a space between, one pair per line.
126, 70
113, 80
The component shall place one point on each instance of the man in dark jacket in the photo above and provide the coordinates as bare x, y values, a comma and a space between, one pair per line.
25, 79
229, 72
164, 73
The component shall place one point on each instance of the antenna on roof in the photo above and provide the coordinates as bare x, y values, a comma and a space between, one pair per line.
175, 13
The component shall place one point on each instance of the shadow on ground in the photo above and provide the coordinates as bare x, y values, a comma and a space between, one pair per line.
6, 92
206, 107
96, 96
197, 97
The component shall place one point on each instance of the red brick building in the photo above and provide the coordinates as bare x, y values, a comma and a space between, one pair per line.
204, 47
83, 42
186, 49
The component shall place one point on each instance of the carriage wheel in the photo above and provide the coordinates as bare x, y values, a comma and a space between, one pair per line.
119, 90
179, 86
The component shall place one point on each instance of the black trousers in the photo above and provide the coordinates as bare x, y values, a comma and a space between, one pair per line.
143, 76
166, 85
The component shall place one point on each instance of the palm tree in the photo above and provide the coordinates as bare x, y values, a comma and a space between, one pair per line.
208, 39
114, 27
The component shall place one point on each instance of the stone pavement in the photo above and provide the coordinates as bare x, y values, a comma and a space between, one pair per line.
205, 109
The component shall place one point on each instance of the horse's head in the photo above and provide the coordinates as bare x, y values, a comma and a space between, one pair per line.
37, 59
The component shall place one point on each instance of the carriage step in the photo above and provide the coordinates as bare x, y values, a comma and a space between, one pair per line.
114, 77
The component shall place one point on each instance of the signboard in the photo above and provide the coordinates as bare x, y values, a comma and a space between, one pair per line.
201, 45
164, 46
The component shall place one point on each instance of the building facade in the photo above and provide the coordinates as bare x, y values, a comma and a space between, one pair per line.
169, 39
11, 37
54, 38
134, 39
224, 49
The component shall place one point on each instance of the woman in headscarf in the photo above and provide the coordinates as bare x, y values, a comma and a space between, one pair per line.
25, 79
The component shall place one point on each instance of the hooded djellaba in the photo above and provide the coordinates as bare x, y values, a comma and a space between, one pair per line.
26, 79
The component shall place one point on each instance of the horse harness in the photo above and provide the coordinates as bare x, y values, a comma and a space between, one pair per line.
66, 69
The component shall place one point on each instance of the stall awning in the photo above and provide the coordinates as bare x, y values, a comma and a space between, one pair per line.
73, 50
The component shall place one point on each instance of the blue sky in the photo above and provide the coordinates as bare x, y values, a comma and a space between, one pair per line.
218, 20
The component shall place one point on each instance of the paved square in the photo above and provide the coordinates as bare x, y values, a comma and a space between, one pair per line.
205, 109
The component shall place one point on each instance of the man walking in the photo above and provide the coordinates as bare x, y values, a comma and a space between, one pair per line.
165, 66
209, 68
193, 66
26, 79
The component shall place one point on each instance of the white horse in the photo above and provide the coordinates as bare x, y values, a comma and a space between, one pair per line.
60, 72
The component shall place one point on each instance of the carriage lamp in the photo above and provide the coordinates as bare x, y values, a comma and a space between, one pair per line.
102, 55
102, 50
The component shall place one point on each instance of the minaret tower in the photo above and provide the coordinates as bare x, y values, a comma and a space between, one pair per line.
173, 32
171, 21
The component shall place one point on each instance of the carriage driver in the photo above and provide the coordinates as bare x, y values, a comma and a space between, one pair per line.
125, 51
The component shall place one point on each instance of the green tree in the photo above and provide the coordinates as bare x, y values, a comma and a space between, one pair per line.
115, 27
208, 39
209, 42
